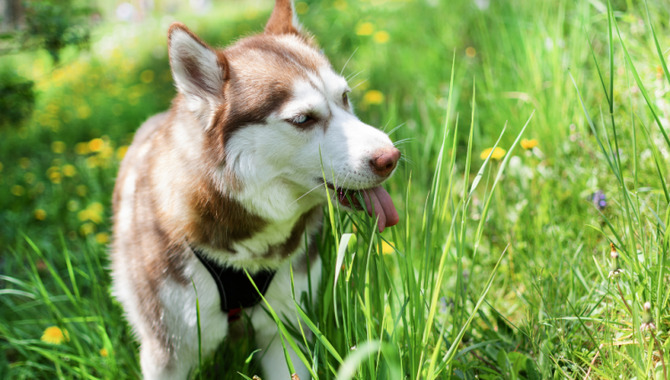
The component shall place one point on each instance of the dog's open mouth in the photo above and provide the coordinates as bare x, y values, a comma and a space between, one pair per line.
377, 200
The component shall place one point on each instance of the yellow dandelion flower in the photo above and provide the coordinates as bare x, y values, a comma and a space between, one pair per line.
147, 76
104, 353
497, 154
55, 335
84, 215
470, 52
365, 29
69, 170
301, 7
102, 238
106, 152
528, 144
40, 214
96, 145
56, 178
91, 213
54, 174
87, 229
121, 152
96, 207
18, 190
81, 148
381, 37
387, 248
373, 97
58, 147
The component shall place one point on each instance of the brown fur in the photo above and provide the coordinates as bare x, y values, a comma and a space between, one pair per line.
280, 21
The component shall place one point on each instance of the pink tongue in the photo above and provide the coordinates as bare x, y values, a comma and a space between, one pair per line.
379, 199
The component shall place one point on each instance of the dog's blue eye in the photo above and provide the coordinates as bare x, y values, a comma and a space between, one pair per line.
302, 120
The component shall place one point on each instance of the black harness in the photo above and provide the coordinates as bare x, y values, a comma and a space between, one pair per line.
235, 289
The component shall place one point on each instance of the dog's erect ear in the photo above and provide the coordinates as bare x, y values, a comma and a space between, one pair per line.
198, 70
283, 19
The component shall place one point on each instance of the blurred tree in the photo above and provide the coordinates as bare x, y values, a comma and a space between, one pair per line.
36, 24
17, 98
55, 24
43, 24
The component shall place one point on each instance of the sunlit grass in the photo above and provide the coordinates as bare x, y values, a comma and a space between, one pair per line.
541, 254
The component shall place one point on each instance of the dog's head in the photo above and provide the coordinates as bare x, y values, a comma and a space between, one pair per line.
277, 120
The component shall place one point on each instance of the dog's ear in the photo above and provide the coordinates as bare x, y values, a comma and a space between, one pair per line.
283, 19
198, 70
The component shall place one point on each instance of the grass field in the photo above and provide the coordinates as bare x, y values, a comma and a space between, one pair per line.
547, 258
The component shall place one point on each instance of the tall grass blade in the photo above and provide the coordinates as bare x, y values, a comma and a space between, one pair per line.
659, 51
640, 85
197, 316
285, 335
341, 252
350, 365
449, 356
503, 165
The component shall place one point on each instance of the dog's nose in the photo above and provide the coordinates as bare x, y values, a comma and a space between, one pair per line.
384, 161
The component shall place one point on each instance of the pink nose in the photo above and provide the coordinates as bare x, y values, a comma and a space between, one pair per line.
384, 161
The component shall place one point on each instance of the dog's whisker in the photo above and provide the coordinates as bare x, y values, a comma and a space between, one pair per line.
354, 75
359, 84
337, 180
385, 126
347, 62
307, 193
402, 141
396, 128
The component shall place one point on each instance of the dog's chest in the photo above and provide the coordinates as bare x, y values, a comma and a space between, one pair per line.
272, 245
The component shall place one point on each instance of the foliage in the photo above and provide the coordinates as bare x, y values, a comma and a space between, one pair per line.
17, 98
55, 24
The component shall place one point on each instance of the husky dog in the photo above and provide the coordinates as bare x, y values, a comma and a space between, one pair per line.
229, 185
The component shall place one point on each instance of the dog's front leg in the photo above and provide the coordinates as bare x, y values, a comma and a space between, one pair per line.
279, 296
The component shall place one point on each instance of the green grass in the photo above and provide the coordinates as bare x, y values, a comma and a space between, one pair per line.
499, 268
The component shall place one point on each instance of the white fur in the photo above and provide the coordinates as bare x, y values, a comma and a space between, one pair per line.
128, 200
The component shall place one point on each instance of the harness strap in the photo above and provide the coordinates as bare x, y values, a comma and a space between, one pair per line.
235, 289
